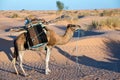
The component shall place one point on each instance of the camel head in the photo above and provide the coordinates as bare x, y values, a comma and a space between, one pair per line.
73, 27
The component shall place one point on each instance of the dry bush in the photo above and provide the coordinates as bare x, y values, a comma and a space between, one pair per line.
69, 16
107, 13
73, 16
114, 12
89, 13
31, 16
15, 15
93, 25
109, 23
100, 12
112, 23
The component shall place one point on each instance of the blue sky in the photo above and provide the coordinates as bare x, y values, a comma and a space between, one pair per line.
51, 4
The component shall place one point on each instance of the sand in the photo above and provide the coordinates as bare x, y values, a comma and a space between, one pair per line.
93, 56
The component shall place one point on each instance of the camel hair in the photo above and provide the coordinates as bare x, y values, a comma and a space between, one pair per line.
53, 39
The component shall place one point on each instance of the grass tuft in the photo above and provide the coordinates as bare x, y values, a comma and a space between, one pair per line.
109, 23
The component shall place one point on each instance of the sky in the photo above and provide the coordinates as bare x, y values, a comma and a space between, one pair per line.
51, 4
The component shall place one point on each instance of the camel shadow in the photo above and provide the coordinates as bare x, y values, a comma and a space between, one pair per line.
17, 28
5, 70
28, 67
5, 46
112, 65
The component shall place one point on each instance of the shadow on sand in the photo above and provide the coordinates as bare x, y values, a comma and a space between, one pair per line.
82, 33
114, 49
112, 65
5, 46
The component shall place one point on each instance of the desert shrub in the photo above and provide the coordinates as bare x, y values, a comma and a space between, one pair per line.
60, 5
22, 10
72, 17
113, 22
93, 25
14, 15
85, 13
109, 23
31, 16
114, 12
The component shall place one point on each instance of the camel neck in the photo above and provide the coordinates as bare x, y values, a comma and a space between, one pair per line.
67, 36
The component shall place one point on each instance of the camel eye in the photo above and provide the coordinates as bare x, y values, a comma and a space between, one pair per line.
73, 26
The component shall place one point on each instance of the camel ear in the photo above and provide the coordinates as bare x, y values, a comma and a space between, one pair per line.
69, 25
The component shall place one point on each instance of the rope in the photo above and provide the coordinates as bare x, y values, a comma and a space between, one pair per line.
37, 36
77, 59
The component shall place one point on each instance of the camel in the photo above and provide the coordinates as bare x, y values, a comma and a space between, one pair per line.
53, 39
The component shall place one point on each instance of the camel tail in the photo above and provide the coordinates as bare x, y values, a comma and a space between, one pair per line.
15, 55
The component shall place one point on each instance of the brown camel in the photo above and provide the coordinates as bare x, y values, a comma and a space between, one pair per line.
53, 39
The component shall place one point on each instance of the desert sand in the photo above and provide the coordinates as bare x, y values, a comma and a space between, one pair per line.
92, 56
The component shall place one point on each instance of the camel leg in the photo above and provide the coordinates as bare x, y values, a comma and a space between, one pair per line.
21, 53
47, 70
14, 63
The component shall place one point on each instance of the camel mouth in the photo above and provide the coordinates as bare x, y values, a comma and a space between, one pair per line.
77, 30
78, 27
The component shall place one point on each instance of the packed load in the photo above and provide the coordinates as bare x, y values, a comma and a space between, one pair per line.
36, 34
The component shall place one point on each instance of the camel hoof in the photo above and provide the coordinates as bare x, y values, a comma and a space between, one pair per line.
26, 75
16, 73
47, 71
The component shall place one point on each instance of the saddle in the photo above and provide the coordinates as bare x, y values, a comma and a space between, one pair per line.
36, 35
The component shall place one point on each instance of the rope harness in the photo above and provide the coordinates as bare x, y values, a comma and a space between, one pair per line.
80, 34
77, 59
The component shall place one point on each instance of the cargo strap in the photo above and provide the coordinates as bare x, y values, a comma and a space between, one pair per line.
37, 36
